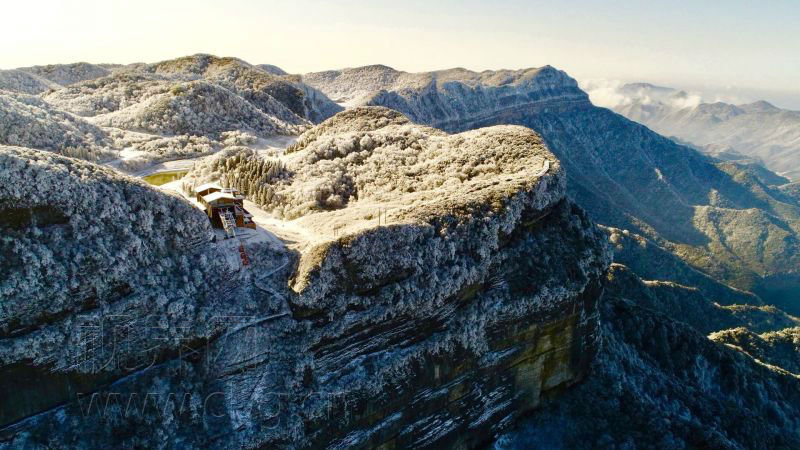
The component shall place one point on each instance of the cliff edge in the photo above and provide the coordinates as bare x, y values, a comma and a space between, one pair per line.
446, 285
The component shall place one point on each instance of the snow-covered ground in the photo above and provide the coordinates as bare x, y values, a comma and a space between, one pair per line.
281, 234
273, 143
270, 146
385, 198
289, 232
305, 232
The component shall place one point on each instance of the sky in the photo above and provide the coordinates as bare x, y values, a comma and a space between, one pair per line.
745, 48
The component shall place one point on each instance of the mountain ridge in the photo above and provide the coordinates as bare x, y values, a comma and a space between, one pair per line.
140, 115
425, 272
624, 174
757, 130
435, 334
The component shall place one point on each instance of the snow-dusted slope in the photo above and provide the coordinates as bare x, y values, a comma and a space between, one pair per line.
73, 228
29, 121
140, 114
66, 74
271, 68
108, 94
625, 175
777, 348
445, 96
39, 79
257, 86
196, 108
280, 96
757, 130
16, 80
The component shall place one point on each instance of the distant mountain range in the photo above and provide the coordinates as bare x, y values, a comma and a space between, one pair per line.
758, 131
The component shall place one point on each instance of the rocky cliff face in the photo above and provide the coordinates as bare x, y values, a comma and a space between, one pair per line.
717, 217
101, 277
659, 382
450, 287
448, 99
686, 223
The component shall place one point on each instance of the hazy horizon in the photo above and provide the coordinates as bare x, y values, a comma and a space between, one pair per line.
733, 50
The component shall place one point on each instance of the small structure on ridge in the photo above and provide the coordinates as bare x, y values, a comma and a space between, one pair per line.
224, 207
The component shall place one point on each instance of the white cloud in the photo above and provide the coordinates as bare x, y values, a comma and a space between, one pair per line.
616, 93
604, 92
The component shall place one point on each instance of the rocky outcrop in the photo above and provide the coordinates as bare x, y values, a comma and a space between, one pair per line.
410, 318
451, 99
101, 278
718, 218
674, 215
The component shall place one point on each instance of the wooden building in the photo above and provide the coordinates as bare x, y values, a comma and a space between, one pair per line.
205, 189
224, 207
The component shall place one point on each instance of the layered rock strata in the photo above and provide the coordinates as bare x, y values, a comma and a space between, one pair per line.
436, 313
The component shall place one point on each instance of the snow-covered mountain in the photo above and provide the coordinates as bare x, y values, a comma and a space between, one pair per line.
758, 131
29, 121
719, 217
426, 266
158, 111
424, 328
450, 98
